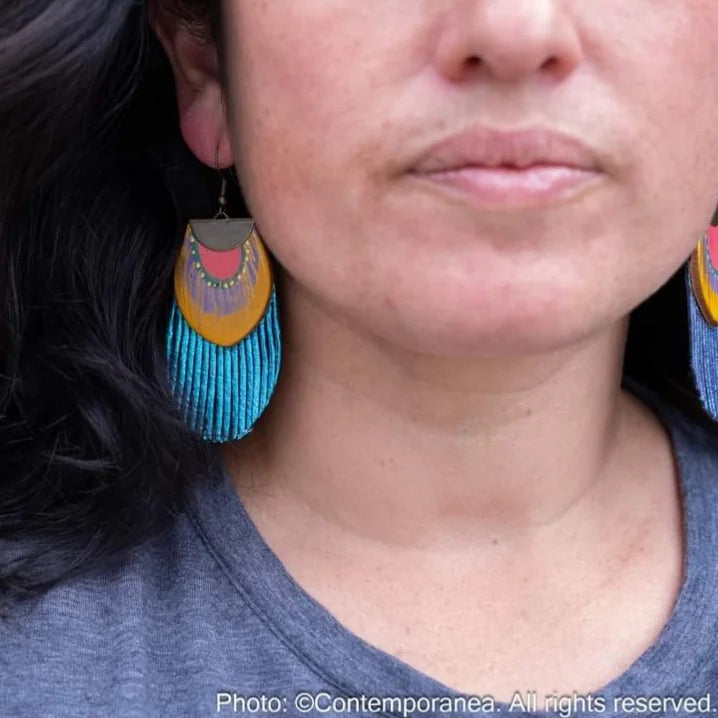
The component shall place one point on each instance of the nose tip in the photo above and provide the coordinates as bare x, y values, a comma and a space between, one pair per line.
507, 40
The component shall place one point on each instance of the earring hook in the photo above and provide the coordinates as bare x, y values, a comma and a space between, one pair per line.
222, 199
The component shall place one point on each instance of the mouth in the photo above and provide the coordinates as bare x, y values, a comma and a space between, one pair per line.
497, 187
494, 170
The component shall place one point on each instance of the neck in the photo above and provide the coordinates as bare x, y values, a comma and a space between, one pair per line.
404, 448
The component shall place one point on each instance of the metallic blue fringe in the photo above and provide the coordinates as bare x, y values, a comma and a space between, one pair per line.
704, 353
222, 391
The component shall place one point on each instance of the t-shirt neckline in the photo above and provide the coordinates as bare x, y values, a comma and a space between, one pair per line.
327, 647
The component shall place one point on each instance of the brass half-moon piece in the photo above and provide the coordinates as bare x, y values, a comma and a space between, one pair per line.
221, 234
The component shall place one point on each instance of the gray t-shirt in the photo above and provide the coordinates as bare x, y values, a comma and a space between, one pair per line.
207, 621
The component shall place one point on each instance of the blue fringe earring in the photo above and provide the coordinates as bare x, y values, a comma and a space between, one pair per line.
701, 278
223, 339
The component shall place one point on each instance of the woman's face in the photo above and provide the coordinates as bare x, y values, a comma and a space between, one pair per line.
334, 102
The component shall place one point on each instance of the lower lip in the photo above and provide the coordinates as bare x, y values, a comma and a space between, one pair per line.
497, 187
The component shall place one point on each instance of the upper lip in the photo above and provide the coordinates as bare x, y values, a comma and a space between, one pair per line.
487, 147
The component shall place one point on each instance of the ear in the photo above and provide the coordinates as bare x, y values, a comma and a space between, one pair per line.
200, 99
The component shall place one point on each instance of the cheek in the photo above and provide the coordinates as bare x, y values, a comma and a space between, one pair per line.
669, 80
660, 68
316, 84
293, 93
312, 109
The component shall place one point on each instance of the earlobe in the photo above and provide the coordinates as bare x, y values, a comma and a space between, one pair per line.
202, 112
203, 125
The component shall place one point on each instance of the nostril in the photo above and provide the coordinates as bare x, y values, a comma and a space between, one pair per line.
550, 63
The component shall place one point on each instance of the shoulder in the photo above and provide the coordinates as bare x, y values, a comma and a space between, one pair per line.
107, 642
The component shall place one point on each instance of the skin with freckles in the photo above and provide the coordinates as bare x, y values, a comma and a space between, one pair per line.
450, 404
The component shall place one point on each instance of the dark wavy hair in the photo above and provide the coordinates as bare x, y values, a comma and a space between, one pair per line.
95, 191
